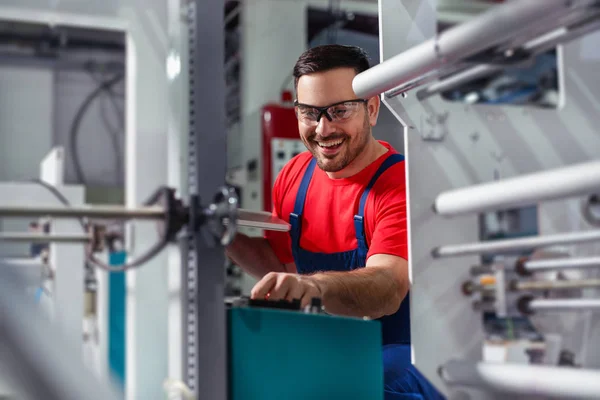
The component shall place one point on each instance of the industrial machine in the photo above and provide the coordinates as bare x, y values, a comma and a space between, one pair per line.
488, 132
481, 303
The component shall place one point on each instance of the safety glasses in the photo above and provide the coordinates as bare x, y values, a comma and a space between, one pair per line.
338, 112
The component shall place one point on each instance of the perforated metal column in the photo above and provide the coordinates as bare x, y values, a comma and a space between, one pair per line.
204, 278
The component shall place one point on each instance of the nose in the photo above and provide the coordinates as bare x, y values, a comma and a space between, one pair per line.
324, 127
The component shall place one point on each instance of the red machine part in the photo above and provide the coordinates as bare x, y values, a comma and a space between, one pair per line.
279, 129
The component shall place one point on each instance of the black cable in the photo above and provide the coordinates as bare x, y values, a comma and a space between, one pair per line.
74, 131
114, 133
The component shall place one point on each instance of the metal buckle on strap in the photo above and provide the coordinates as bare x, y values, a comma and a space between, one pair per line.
359, 225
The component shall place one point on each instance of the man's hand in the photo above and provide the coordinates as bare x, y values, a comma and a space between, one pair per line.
285, 286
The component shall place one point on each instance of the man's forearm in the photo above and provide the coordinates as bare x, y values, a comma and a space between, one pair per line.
254, 255
365, 292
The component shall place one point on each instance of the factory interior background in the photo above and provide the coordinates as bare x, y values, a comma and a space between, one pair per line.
95, 100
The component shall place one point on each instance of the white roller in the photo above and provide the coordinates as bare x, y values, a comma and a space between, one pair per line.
562, 263
575, 180
507, 245
565, 305
522, 379
491, 28
553, 285
535, 46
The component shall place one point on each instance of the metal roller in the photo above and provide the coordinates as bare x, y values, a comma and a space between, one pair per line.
554, 285
529, 305
508, 245
575, 180
533, 47
560, 263
528, 380
501, 24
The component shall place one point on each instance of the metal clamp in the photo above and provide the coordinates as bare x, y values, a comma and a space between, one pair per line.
221, 216
590, 209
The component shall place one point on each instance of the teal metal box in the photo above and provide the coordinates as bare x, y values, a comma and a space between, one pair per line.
285, 355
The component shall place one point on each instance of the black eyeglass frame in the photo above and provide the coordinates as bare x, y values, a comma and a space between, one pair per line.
323, 110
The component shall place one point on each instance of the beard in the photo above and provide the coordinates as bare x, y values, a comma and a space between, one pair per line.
350, 148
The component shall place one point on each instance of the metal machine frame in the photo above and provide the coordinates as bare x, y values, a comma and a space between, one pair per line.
203, 277
443, 183
205, 334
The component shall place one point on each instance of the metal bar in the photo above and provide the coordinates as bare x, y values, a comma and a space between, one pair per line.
99, 212
575, 180
500, 291
562, 263
507, 245
555, 382
456, 80
247, 218
460, 42
535, 46
40, 238
550, 285
564, 305
205, 326
261, 220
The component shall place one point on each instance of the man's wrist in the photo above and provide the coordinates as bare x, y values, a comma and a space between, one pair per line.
320, 281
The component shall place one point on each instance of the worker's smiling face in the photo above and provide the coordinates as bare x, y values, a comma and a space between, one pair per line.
337, 135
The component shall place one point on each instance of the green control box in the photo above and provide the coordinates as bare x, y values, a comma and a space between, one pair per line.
289, 355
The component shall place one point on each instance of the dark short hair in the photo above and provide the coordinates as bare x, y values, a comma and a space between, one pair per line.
328, 57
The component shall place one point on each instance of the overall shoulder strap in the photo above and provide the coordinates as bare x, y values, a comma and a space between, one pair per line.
390, 161
303, 189
359, 225
296, 216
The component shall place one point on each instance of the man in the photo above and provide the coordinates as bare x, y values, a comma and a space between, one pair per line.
348, 241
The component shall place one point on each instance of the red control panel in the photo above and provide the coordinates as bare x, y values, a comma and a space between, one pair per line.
280, 143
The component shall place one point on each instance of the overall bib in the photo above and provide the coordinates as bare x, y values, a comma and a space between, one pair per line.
401, 379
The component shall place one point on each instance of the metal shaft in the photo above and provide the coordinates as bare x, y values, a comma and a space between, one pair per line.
536, 46
564, 305
507, 245
41, 238
558, 183
98, 212
532, 380
562, 263
489, 29
549, 285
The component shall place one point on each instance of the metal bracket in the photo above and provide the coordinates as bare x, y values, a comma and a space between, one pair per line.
224, 207
590, 209
433, 127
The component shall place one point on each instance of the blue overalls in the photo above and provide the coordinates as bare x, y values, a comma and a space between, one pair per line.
401, 379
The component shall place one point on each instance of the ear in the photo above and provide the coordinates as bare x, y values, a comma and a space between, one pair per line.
373, 109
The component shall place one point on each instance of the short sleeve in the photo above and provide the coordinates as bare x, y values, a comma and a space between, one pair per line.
389, 234
280, 242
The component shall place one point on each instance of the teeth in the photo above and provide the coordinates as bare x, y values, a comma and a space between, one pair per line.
330, 144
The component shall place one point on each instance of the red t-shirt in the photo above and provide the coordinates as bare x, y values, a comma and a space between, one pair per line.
330, 206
